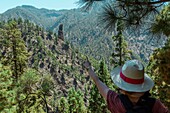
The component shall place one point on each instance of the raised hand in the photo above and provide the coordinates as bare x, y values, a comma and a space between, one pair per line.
87, 64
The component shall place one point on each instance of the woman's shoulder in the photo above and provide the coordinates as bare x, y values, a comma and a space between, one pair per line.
159, 107
113, 101
112, 95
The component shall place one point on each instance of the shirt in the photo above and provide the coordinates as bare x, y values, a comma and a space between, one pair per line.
116, 106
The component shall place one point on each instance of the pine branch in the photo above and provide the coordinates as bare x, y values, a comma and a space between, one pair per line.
144, 3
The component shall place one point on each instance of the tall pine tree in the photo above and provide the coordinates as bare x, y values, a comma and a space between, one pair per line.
159, 64
73, 103
14, 49
97, 104
120, 53
8, 103
159, 67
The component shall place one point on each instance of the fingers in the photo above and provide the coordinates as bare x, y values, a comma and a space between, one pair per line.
87, 58
87, 63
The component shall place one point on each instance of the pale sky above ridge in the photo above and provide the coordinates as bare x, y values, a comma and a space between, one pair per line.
48, 4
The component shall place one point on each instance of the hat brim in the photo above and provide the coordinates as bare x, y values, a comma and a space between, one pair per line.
146, 86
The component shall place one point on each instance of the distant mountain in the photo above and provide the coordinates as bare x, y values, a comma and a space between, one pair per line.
42, 17
83, 30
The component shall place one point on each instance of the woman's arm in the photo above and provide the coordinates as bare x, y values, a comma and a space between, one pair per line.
103, 89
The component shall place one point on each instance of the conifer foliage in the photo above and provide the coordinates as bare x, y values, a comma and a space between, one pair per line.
132, 12
120, 53
14, 49
73, 103
8, 93
162, 22
97, 104
22, 89
160, 66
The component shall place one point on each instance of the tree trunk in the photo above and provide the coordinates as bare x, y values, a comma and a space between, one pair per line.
15, 74
120, 48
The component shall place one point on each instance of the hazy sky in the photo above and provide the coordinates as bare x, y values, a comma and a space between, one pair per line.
49, 4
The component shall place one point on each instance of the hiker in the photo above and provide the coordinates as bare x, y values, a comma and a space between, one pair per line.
134, 84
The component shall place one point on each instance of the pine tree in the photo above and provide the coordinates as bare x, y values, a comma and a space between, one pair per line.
8, 93
132, 12
104, 75
14, 47
159, 64
120, 53
159, 67
73, 103
23, 89
35, 92
162, 22
97, 104
63, 106
76, 102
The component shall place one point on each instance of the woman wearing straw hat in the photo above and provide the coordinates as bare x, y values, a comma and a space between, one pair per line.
133, 83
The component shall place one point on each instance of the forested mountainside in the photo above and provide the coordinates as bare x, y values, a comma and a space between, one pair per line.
84, 30
48, 54
26, 46
42, 73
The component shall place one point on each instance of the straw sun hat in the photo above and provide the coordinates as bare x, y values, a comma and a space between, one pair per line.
131, 77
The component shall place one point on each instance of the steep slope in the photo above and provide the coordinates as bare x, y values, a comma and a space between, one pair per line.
51, 55
82, 30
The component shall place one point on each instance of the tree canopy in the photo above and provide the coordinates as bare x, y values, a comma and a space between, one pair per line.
132, 12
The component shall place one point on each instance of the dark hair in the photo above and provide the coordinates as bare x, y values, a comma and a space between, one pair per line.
146, 94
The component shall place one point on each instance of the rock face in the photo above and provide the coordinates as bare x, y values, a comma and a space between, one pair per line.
60, 32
